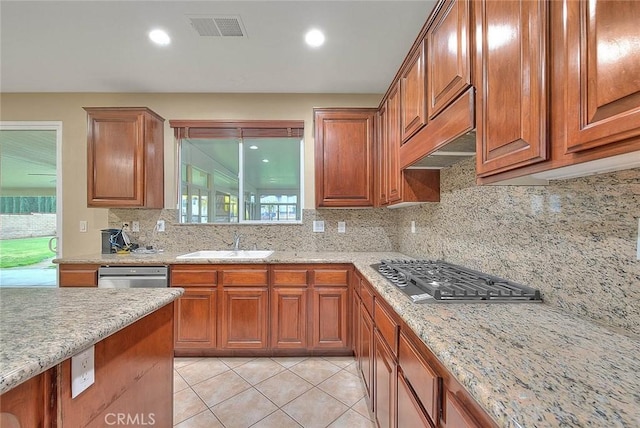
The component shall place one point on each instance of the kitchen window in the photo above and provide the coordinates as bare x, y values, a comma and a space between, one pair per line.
240, 172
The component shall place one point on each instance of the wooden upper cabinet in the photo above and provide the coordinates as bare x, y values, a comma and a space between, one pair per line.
344, 139
382, 156
125, 157
603, 72
512, 85
413, 91
448, 53
393, 145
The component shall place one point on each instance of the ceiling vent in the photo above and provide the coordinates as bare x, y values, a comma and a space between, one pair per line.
217, 26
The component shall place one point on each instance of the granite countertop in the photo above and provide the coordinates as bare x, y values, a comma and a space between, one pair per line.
41, 327
526, 364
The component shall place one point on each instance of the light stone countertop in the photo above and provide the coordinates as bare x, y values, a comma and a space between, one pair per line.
41, 327
527, 364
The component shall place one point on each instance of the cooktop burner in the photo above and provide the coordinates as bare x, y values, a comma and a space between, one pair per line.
427, 280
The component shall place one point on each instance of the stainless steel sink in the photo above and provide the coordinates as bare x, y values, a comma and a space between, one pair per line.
227, 254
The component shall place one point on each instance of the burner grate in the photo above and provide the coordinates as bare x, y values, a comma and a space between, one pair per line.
426, 279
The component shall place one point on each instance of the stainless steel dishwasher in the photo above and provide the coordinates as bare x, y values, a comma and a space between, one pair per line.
133, 276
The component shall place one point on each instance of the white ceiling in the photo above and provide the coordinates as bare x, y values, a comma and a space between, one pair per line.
102, 46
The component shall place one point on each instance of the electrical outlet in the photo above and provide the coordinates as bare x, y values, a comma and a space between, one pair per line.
413, 226
83, 226
83, 372
135, 226
318, 226
342, 227
160, 225
125, 226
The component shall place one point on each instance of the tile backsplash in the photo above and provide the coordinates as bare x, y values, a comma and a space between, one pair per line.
366, 230
575, 240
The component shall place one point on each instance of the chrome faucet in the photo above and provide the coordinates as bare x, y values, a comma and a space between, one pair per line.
236, 241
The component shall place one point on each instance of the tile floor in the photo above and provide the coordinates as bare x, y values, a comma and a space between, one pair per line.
278, 392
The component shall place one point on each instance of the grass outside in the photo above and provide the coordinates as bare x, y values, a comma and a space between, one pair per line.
24, 251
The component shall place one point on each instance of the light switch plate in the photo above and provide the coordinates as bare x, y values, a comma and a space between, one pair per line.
342, 227
83, 226
160, 225
82, 371
413, 226
318, 225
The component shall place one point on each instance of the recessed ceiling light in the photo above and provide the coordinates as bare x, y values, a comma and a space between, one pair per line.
253, 147
159, 37
265, 160
314, 38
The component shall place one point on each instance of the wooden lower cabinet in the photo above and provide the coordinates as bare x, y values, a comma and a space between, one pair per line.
289, 318
78, 275
365, 351
195, 319
414, 389
30, 404
455, 414
244, 318
410, 412
384, 394
329, 315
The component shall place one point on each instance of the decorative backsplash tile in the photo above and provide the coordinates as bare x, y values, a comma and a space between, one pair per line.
366, 230
575, 240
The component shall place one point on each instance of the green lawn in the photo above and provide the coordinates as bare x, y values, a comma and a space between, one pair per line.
24, 252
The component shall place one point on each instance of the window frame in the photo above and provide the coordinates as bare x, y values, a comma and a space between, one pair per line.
240, 129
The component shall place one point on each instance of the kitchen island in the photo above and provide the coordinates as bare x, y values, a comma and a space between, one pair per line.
525, 364
42, 328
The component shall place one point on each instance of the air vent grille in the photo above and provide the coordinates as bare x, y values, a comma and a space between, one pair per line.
217, 26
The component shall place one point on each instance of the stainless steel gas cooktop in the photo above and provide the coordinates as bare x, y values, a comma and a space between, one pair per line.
438, 281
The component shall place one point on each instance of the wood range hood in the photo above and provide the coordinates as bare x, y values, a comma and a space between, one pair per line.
448, 138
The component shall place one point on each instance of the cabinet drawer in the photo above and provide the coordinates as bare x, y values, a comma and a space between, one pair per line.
245, 277
422, 378
366, 294
193, 276
78, 275
331, 277
387, 326
290, 277
455, 413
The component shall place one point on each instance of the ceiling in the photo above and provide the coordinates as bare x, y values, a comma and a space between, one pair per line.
102, 46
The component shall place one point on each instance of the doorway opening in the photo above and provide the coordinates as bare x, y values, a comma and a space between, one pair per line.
30, 203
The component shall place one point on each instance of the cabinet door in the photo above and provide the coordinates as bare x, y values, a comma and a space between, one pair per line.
289, 318
420, 375
603, 81
410, 413
344, 157
512, 96
393, 141
330, 318
365, 362
384, 383
78, 275
195, 319
382, 155
413, 90
455, 415
30, 404
449, 65
244, 318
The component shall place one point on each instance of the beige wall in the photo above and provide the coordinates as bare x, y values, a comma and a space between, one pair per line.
68, 109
